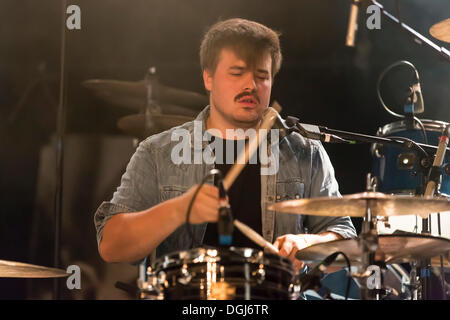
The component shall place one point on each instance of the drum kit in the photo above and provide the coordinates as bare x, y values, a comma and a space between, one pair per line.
243, 273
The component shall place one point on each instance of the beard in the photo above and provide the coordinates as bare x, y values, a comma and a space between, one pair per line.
241, 118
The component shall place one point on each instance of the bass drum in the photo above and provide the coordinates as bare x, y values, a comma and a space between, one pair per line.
400, 171
222, 274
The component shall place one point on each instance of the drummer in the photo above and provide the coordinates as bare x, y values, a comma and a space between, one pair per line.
239, 60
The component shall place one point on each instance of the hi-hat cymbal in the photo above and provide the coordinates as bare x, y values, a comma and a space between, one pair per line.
133, 94
441, 30
354, 205
11, 269
134, 124
391, 249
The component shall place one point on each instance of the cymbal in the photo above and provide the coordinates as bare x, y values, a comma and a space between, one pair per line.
133, 94
354, 205
134, 124
11, 269
441, 30
436, 261
391, 249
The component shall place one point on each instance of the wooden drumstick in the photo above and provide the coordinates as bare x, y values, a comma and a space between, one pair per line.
268, 120
255, 237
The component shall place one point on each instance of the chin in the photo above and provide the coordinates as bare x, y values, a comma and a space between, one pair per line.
247, 120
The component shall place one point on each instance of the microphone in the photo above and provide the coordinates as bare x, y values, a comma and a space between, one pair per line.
352, 23
225, 222
417, 98
311, 280
435, 173
291, 124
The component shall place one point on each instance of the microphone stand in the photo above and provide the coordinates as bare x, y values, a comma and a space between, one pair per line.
363, 138
338, 136
418, 38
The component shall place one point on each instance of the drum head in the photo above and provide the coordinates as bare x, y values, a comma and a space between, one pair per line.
399, 126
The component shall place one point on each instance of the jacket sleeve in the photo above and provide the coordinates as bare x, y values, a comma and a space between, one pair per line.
138, 189
324, 184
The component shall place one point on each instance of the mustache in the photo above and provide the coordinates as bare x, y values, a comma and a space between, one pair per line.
245, 94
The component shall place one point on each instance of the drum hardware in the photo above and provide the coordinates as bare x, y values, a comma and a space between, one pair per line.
391, 249
369, 247
312, 279
152, 288
439, 31
369, 204
418, 38
433, 184
185, 277
260, 274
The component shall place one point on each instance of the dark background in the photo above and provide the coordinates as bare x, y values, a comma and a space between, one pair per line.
321, 81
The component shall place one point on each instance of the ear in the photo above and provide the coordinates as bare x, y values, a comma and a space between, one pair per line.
207, 79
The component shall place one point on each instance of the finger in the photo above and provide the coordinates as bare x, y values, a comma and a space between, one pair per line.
210, 190
293, 253
278, 242
286, 248
208, 213
205, 199
298, 264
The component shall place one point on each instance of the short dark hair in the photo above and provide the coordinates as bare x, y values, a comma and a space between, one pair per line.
248, 39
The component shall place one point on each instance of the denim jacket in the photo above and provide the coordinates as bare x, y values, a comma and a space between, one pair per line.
305, 171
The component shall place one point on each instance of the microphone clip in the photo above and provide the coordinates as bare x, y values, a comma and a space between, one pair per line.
294, 125
225, 224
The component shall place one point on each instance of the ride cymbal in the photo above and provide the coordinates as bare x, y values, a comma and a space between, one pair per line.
441, 30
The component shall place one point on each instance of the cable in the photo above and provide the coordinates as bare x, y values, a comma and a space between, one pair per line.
413, 143
381, 77
349, 276
424, 133
212, 172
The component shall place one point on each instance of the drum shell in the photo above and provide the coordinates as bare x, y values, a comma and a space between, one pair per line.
399, 178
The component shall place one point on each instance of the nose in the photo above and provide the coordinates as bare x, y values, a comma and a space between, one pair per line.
250, 83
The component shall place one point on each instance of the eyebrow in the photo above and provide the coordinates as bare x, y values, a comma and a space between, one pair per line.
238, 68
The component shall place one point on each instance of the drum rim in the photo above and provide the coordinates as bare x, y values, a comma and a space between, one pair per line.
397, 126
174, 258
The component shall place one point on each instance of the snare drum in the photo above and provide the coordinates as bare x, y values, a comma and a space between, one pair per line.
222, 274
400, 171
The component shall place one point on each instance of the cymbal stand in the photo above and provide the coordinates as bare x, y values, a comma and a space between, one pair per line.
433, 185
368, 242
414, 284
151, 106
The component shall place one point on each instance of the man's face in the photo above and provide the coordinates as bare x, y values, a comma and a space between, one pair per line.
238, 93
